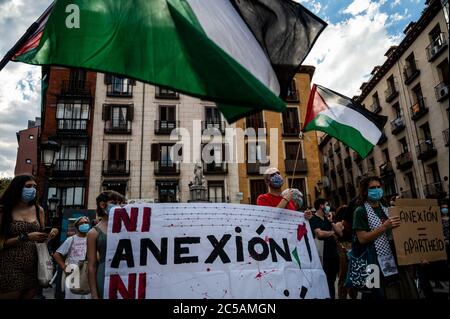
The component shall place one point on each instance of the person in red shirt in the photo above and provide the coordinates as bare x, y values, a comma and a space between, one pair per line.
274, 198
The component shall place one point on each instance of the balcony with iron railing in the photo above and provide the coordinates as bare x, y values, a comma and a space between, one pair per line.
445, 135
166, 95
259, 127
166, 168
391, 93
426, 149
300, 167
410, 72
116, 168
255, 168
165, 127
397, 125
122, 127
212, 127
76, 88
409, 193
120, 90
348, 162
434, 190
418, 109
375, 107
71, 167
404, 161
436, 47
215, 168
441, 91
386, 169
383, 138
291, 129
72, 126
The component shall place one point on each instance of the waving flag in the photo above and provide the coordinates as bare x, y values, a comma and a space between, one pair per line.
344, 119
240, 53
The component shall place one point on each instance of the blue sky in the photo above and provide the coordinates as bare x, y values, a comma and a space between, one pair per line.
358, 35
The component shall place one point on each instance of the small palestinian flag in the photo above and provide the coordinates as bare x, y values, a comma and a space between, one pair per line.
344, 119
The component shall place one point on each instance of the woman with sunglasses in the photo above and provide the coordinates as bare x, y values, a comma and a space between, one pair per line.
21, 225
372, 227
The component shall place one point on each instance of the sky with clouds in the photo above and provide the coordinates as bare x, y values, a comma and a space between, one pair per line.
359, 32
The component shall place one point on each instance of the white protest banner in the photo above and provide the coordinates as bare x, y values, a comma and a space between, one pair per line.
211, 251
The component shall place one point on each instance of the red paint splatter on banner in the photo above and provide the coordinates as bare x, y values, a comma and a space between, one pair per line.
270, 284
266, 239
301, 231
208, 269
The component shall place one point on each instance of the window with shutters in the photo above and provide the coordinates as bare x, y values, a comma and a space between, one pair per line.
213, 121
72, 115
291, 124
213, 158
117, 163
257, 187
118, 118
167, 119
162, 155
70, 196
216, 191
118, 86
163, 93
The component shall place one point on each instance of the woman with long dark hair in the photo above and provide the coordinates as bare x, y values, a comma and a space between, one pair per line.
96, 242
21, 225
373, 228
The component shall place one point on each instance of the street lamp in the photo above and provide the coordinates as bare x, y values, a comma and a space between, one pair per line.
49, 150
53, 205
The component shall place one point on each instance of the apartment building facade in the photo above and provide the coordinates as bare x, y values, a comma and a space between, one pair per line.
66, 117
27, 140
411, 88
281, 146
134, 153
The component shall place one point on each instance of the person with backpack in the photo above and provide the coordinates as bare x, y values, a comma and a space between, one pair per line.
71, 252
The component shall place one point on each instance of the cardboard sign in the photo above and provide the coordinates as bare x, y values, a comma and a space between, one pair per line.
197, 251
420, 236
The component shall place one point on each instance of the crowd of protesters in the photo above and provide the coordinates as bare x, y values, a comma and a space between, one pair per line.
362, 226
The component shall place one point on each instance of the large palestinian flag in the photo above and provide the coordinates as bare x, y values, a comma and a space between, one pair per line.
342, 118
234, 52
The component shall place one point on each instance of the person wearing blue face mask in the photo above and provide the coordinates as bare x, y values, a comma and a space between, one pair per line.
71, 252
22, 222
96, 241
372, 227
274, 197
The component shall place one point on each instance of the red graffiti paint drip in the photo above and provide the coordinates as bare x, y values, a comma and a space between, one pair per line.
266, 239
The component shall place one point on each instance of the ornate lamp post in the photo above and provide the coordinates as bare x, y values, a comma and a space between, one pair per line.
49, 152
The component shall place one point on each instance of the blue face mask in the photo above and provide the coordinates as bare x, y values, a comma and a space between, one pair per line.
109, 207
276, 181
375, 194
326, 209
28, 194
84, 228
444, 211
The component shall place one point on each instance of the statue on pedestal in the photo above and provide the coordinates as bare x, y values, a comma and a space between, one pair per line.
197, 188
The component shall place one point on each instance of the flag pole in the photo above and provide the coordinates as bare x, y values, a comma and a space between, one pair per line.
32, 29
300, 136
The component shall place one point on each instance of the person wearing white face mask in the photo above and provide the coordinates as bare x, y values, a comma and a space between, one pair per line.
74, 250
325, 230
22, 223
96, 242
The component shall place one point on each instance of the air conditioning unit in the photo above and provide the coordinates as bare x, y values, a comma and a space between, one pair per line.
443, 91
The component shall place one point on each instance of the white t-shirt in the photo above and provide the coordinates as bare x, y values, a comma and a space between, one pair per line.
77, 246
